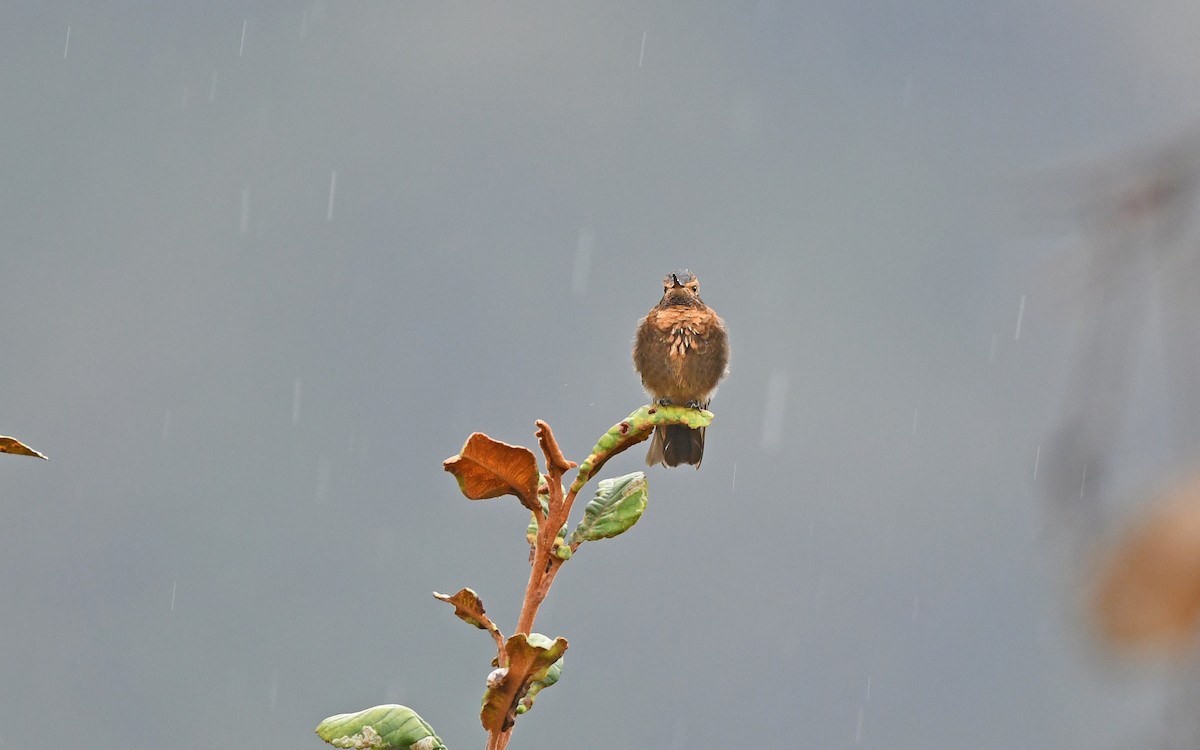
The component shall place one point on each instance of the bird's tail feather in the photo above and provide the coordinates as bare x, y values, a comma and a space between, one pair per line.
676, 444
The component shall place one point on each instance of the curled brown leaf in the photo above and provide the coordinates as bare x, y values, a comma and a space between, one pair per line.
526, 663
487, 468
12, 445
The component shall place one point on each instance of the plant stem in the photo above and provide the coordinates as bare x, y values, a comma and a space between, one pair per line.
544, 566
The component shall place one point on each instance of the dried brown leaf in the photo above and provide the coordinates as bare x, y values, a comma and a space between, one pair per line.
488, 468
526, 663
468, 607
12, 445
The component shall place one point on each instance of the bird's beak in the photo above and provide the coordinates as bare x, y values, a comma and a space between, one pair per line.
675, 281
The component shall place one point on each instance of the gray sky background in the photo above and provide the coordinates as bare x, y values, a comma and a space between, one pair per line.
247, 382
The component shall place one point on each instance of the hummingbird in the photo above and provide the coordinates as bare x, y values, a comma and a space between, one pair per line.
681, 353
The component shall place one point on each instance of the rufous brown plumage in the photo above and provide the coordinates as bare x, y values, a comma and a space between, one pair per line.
681, 351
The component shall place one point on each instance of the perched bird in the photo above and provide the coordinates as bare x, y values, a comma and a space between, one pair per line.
681, 352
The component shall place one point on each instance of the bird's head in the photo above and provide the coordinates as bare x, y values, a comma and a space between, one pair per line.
681, 288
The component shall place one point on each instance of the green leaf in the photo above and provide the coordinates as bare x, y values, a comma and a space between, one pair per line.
388, 727
634, 429
618, 504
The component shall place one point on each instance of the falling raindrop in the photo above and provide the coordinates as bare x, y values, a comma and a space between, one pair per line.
862, 714
776, 405
1037, 460
174, 584
242, 44
583, 262
67, 44
642, 53
733, 484
297, 393
914, 424
332, 190
1020, 317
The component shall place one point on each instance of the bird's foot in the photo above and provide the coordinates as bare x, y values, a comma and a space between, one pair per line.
665, 402
694, 405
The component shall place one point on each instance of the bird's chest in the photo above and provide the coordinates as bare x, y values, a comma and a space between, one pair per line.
683, 333
682, 341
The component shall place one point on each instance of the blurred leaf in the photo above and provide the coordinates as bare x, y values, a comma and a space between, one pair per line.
488, 468
388, 727
618, 505
468, 607
634, 429
527, 662
551, 676
1149, 587
12, 445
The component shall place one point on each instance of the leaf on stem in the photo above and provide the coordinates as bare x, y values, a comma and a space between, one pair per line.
488, 468
552, 675
388, 727
468, 607
618, 505
634, 429
12, 445
528, 662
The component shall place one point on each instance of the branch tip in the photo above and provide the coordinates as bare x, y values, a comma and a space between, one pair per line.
555, 460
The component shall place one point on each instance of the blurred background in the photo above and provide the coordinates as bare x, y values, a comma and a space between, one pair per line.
267, 264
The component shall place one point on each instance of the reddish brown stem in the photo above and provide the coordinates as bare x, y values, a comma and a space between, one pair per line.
555, 460
544, 566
